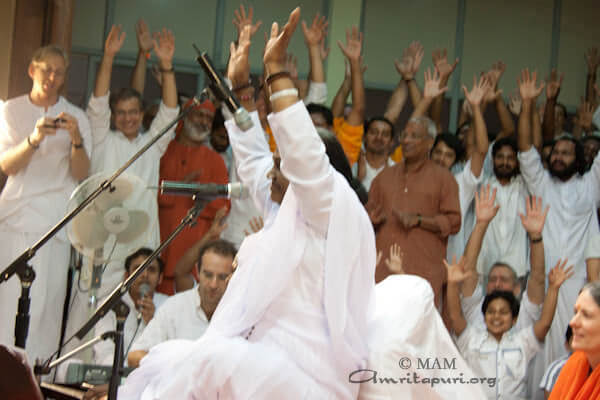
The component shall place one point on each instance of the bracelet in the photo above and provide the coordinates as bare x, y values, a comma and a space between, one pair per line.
242, 87
283, 93
33, 146
277, 75
536, 240
164, 71
246, 97
77, 146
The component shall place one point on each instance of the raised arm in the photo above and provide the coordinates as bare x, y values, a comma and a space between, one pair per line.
339, 101
556, 277
475, 97
529, 92
352, 50
592, 58
533, 222
112, 45
431, 90
407, 68
584, 120
185, 265
552, 92
506, 121
445, 69
485, 211
457, 275
164, 48
145, 45
313, 37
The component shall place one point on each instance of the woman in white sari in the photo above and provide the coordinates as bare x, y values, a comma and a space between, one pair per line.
293, 321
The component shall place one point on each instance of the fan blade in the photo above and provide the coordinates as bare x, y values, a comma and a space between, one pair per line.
88, 230
138, 224
121, 190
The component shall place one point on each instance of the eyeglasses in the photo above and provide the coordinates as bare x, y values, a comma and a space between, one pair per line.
59, 73
127, 113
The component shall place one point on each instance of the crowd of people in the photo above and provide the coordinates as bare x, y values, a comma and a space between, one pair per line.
503, 226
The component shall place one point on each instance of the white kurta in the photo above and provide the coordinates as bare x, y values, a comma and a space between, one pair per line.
103, 352
111, 150
505, 239
370, 172
505, 361
570, 222
180, 317
264, 304
32, 201
467, 186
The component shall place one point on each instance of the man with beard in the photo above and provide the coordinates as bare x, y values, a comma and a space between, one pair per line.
572, 197
188, 158
377, 141
505, 240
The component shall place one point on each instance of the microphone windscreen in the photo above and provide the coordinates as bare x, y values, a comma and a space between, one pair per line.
144, 289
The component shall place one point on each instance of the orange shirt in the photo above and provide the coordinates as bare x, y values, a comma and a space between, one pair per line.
186, 163
350, 137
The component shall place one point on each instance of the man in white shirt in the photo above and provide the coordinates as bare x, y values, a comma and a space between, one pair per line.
186, 315
506, 240
114, 147
573, 198
45, 147
142, 303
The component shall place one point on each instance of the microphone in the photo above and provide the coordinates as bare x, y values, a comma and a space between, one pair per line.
144, 289
221, 91
204, 190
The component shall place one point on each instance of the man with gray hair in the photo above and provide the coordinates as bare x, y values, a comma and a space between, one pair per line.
415, 205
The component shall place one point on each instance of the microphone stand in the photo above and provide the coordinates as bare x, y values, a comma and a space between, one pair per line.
115, 297
21, 267
121, 310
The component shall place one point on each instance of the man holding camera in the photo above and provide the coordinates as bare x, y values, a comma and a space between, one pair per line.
45, 147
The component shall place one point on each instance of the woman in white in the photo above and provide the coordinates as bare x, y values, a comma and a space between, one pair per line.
293, 321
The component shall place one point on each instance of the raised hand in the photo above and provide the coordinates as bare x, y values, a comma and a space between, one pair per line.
554, 83
164, 47
242, 20
114, 41
496, 72
492, 92
527, 85
585, 115
535, 216
256, 224
411, 61
394, 262
485, 210
238, 69
353, 46
456, 270
315, 35
559, 274
144, 39
592, 58
432, 84
276, 47
218, 225
441, 64
476, 95
515, 103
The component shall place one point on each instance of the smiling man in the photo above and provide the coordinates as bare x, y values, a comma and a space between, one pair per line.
415, 204
186, 315
45, 145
